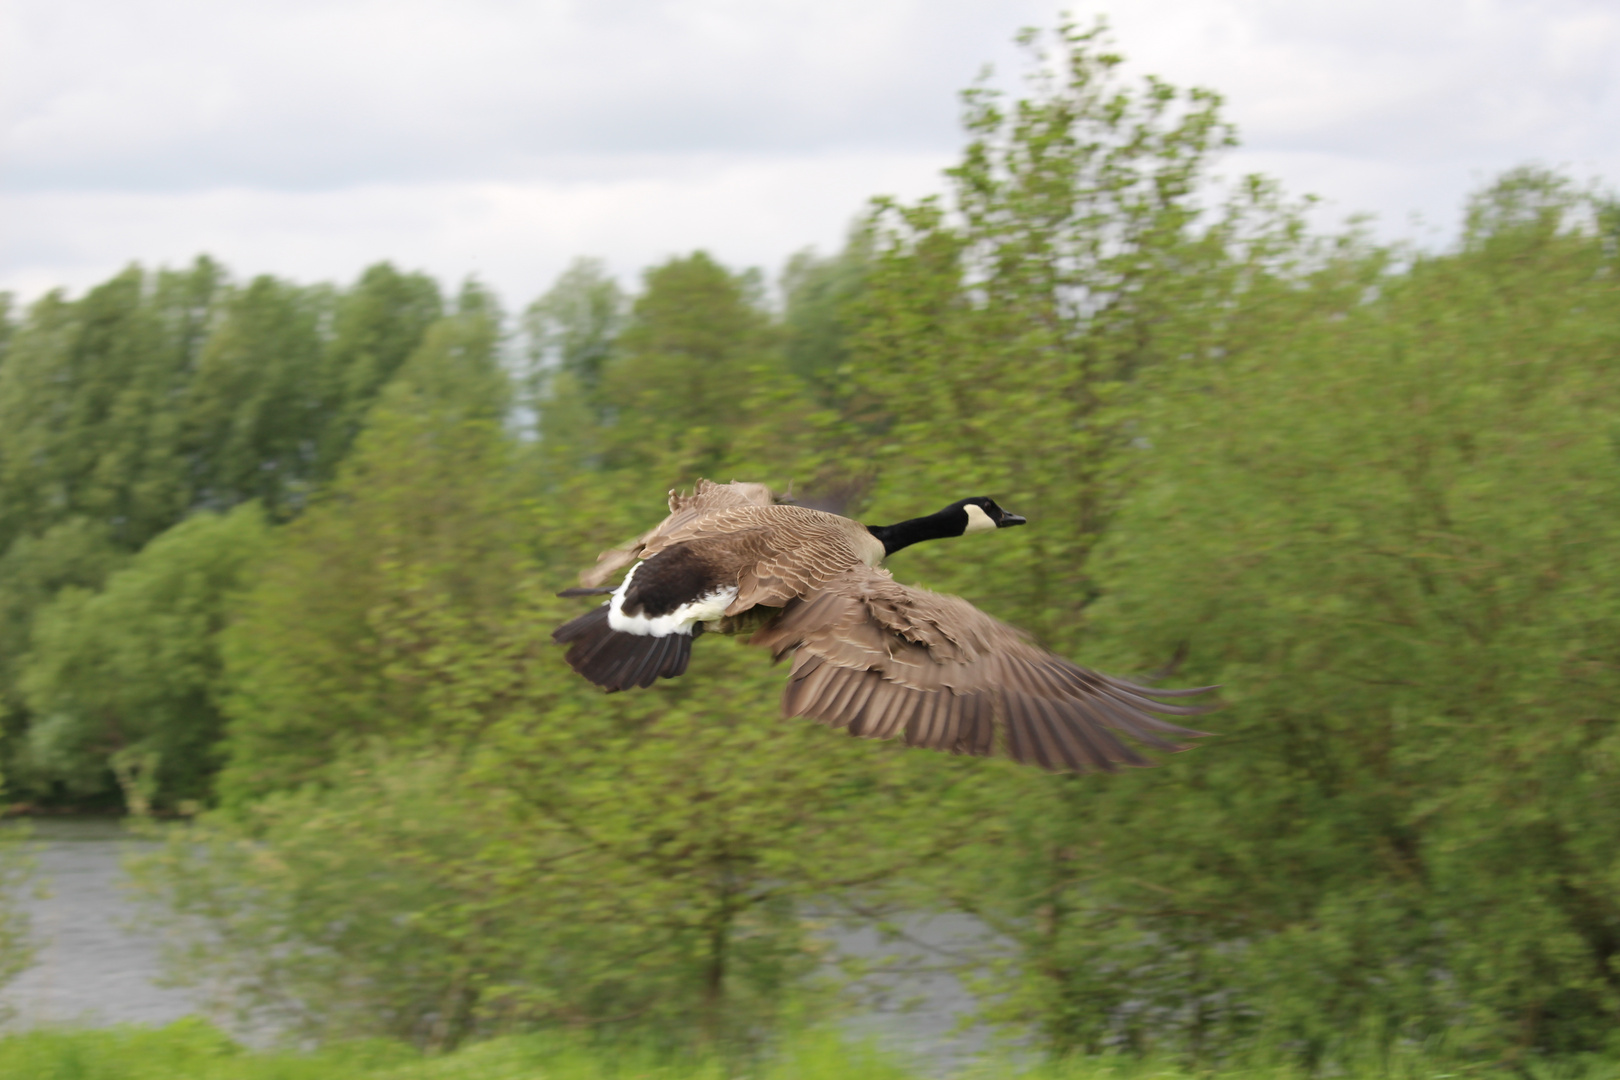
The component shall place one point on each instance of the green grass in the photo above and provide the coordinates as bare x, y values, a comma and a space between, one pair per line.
194, 1050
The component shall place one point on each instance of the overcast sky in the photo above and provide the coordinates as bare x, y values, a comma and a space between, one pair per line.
501, 138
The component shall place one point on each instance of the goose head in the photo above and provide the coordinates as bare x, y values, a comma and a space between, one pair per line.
983, 515
978, 514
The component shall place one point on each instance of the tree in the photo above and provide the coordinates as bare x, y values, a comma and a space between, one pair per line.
697, 380
75, 553
531, 853
376, 326
1013, 345
90, 417
1389, 528
821, 298
427, 507
253, 410
572, 328
124, 683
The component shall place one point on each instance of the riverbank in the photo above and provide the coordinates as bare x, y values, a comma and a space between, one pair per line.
94, 968
193, 1050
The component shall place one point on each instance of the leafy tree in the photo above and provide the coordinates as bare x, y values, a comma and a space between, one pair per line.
697, 382
639, 861
1013, 346
821, 300
701, 829
572, 328
124, 683
426, 504
1389, 527
89, 424
92, 462
254, 413
74, 553
656, 849
376, 326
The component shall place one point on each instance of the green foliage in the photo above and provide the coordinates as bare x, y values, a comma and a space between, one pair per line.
154, 396
74, 553
1015, 348
253, 419
571, 330
998, 344
124, 683
192, 1050
696, 383
376, 326
91, 405
641, 859
1390, 529
426, 517
645, 878
821, 297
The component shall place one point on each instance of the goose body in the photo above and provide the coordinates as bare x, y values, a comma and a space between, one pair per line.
874, 657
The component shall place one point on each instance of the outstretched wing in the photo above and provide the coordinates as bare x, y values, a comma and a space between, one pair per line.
882, 660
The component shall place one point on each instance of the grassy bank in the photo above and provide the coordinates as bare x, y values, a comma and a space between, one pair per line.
194, 1050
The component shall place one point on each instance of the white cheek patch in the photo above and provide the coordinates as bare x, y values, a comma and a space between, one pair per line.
978, 520
707, 608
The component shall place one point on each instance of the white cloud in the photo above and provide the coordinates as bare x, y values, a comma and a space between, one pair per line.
171, 94
502, 137
516, 236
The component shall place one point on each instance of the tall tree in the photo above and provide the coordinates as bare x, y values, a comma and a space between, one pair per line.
254, 411
427, 507
697, 381
1388, 525
1011, 344
90, 415
572, 328
376, 325
820, 299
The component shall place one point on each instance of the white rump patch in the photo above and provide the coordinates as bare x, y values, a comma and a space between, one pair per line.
978, 520
707, 608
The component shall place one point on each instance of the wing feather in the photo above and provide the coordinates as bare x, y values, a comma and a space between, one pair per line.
883, 660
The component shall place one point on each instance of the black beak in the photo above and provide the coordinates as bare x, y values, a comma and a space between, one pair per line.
1009, 520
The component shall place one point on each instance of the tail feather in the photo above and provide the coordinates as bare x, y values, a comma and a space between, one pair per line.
618, 661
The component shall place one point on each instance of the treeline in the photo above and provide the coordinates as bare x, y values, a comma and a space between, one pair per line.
291, 554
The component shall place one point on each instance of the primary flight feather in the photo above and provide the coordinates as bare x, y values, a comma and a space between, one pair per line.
877, 658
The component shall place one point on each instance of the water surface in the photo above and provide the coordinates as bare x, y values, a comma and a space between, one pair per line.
89, 968
92, 969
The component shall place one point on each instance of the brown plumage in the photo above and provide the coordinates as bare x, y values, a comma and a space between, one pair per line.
874, 657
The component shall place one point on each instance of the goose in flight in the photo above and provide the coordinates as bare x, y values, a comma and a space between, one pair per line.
879, 659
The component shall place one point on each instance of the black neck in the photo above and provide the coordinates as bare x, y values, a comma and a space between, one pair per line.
952, 521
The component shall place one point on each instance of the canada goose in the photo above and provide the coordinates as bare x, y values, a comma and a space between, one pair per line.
872, 656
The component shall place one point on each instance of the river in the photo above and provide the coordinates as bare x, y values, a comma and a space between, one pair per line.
92, 969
